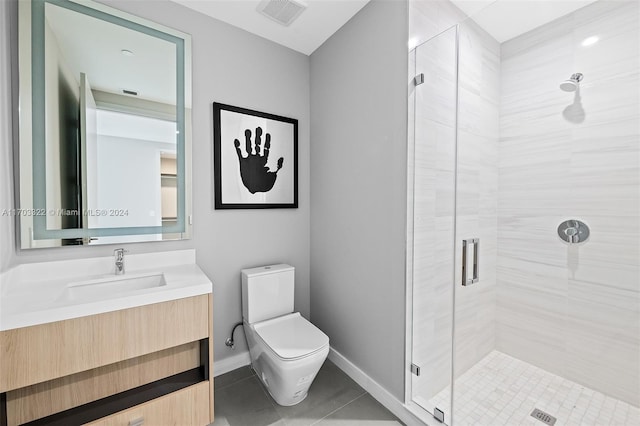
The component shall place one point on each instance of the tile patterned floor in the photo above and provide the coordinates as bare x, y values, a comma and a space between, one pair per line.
502, 390
334, 400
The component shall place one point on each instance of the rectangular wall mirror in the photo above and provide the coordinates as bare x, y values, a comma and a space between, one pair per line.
105, 126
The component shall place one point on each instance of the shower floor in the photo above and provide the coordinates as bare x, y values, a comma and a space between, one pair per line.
502, 390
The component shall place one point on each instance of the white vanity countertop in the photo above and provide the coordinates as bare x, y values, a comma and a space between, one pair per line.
38, 293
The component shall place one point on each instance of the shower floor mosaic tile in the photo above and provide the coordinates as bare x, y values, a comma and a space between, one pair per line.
502, 390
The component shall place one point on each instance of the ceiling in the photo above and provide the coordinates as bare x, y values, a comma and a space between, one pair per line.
93, 46
506, 19
313, 27
503, 19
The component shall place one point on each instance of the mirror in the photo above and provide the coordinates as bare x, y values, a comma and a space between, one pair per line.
105, 107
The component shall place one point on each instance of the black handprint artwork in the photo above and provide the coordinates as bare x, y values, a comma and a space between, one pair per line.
256, 176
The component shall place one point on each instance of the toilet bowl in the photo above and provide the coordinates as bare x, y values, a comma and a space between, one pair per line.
286, 354
286, 350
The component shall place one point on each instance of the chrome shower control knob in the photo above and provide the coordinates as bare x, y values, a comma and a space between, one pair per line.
573, 231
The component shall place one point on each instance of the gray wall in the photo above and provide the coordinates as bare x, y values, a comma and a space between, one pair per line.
230, 66
358, 190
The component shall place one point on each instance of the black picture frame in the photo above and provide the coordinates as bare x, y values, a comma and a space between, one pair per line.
237, 179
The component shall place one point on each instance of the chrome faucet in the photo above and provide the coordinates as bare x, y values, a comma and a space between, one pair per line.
119, 254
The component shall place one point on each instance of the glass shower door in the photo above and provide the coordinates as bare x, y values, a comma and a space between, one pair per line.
433, 257
476, 239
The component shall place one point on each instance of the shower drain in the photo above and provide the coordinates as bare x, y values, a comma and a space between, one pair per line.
543, 417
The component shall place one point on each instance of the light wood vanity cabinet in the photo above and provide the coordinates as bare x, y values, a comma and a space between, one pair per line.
150, 363
176, 408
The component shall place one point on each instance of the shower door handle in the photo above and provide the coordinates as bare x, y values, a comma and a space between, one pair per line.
475, 242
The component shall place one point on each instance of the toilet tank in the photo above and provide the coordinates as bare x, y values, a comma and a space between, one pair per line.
267, 292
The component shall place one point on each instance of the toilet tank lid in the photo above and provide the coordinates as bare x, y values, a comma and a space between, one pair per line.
291, 336
265, 270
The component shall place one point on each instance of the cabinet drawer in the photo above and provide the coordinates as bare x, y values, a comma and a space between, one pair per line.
43, 352
189, 406
54, 396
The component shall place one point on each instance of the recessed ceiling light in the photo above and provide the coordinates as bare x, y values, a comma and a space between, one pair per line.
590, 41
126, 52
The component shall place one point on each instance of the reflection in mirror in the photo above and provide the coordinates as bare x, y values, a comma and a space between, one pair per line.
128, 180
104, 107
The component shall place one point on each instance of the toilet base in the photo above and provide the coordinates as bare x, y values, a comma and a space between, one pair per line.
284, 402
287, 381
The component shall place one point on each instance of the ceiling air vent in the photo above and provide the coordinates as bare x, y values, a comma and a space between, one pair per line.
282, 11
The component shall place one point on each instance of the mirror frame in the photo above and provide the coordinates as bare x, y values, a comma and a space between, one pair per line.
32, 109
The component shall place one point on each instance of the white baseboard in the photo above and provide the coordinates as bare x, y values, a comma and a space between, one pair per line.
375, 389
231, 363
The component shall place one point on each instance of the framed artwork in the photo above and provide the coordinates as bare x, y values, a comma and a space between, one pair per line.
255, 159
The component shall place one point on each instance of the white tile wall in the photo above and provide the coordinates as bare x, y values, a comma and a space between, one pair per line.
428, 18
574, 311
477, 192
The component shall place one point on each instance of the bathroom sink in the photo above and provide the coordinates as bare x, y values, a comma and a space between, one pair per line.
39, 293
113, 286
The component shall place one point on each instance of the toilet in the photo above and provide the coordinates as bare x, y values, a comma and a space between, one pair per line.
286, 350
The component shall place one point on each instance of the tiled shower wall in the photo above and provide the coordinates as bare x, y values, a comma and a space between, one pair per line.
574, 311
477, 192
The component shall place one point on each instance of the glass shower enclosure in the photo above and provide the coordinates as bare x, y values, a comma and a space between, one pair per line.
524, 213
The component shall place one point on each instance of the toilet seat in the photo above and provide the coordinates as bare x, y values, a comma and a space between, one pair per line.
291, 337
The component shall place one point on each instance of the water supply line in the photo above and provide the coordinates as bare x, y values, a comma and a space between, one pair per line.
229, 342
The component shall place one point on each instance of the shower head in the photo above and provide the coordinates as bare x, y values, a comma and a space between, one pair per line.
572, 84
569, 86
